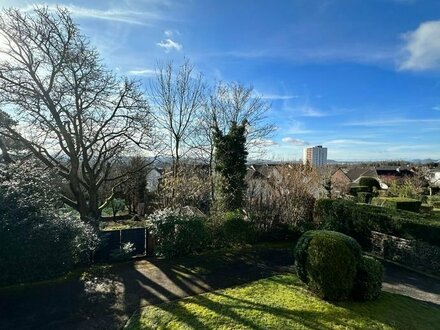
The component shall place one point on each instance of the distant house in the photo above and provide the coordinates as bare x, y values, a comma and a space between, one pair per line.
434, 180
156, 174
257, 176
260, 171
393, 172
153, 178
343, 178
340, 182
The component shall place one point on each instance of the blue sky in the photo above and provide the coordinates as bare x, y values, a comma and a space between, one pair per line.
360, 77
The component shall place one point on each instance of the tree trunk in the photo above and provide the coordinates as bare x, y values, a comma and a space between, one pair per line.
5, 153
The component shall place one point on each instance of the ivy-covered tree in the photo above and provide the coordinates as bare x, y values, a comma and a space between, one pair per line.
230, 166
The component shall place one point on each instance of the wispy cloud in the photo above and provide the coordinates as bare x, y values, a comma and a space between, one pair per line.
274, 96
353, 142
422, 47
295, 142
436, 108
142, 72
392, 122
169, 33
295, 127
169, 45
116, 15
266, 142
309, 111
322, 54
278, 97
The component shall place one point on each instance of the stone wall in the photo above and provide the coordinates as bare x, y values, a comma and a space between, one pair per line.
412, 253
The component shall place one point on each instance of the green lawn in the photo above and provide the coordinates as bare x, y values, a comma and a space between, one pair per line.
281, 302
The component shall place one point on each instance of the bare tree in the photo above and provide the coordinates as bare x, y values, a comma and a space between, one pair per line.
235, 102
282, 195
178, 95
6, 144
74, 114
232, 103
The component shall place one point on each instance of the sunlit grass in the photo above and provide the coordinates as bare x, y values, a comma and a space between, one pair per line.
281, 302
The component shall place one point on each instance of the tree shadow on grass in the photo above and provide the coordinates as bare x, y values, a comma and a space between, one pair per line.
397, 311
393, 310
233, 312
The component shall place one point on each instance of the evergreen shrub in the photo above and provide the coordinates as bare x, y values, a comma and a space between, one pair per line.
368, 281
176, 234
327, 262
235, 229
398, 203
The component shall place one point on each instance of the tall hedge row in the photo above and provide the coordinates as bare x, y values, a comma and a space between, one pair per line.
358, 221
398, 203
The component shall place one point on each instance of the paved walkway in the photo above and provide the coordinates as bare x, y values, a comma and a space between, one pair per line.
402, 281
107, 297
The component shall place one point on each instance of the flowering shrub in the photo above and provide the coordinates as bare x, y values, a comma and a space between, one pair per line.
37, 240
124, 253
177, 234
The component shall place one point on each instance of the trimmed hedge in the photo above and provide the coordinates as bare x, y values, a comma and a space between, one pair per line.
368, 281
369, 182
434, 201
357, 221
426, 208
364, 197
398, 203
349, 218
354, 190
235, 229
327, 262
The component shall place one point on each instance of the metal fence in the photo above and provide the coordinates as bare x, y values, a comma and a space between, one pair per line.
114, 240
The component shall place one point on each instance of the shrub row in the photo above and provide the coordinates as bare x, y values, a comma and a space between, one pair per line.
398, 203
178, 235
434, 201
332, 266
357, 221
354, 190
369, 182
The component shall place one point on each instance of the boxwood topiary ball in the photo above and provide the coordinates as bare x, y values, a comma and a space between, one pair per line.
327, 262
368, 281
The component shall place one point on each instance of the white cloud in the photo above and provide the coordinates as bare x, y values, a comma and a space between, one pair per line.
169, 44
142, 72
422, 47
296, 142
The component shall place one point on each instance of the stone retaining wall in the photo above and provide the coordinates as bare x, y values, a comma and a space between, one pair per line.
412, 253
